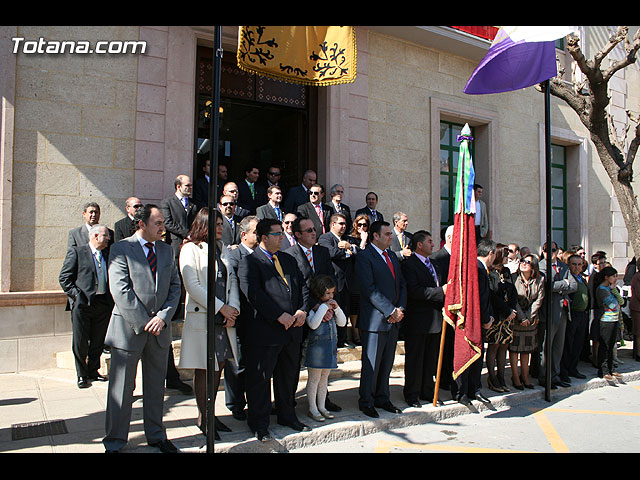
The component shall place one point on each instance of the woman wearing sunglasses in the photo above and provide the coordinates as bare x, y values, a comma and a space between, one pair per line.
530, 287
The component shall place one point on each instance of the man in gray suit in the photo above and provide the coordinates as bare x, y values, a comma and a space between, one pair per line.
80, 235
145, 286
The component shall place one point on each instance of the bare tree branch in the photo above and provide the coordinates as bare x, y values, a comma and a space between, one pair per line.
614, 40
631, 50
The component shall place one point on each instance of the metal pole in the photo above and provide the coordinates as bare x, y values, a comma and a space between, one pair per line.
549, 277
213, 213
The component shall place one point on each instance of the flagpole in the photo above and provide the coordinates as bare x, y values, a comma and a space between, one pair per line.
213, 213
548, 282
438, 372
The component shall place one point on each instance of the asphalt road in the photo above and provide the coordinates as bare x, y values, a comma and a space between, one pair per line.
601, 420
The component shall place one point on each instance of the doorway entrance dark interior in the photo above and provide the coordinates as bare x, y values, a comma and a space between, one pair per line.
263, 122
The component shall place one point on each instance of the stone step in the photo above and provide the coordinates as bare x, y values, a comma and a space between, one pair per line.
349, 362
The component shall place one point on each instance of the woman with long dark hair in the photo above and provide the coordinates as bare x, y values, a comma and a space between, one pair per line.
504, 299
194, 261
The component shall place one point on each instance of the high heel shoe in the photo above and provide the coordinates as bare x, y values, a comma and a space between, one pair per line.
526, 385
515, 385
493, 386
502, 384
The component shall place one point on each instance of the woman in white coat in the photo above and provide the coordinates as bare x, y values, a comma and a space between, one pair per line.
194, 260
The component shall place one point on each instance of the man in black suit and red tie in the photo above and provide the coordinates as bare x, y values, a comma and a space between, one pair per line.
383, 299
275, 288
84, 279
316, 210
422, 324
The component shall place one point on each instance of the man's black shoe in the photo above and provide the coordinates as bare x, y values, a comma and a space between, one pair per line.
370, 412
96, 377
482, 398
464, 400
180, 385
561, 383
83, 382
414, 403
263, 435
390, 407
165, 446
297, 425
332, 407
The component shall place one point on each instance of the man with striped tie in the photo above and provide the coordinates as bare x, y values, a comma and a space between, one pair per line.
144, 283
274, 286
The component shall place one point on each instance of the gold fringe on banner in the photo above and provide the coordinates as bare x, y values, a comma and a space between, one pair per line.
299, 54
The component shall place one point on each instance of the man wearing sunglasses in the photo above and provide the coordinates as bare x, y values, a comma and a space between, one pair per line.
316, 210
125, 227
230, 221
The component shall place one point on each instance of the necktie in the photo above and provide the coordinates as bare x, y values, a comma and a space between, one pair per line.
151, 258
310, 259
431, 269
102, 287
253, 191
276, 262
338, 208
389, 264
184, 201
401, 237
319, 212
375, 215
277, 209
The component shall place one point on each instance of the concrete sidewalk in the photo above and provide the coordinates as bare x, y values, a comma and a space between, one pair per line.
67, 419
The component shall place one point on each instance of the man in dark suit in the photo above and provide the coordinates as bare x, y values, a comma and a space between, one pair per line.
370, 209
125, 227
401, 238
179, 211
201, 188
556, 311
251, 194
230, 221
273, 208
441, 260
144, 283
80, 235
273, 177
468, 382
383, 298
316, 210
342, 254
300, 193
337, 194
275, 288
234, 381
84, 279
422, 322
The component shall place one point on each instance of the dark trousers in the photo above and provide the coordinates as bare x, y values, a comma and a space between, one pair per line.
234, 385
378, 354
469, 382
89, 326
573, 342
421, 364
282, 362
608, 335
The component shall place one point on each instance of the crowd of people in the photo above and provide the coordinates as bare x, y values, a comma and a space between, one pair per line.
298, 276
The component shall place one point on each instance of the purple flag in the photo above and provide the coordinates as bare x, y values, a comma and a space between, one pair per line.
518, 57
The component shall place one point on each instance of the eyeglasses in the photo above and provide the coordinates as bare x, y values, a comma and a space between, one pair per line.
288, 222
309, 230
137, 205
277, 234
314, 193
363, 225
341, 223
226, 204
275, 174
526, 262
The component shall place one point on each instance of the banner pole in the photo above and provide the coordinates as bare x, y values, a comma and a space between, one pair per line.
548, 255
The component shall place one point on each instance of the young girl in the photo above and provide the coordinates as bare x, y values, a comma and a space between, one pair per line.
322, 342
609, 305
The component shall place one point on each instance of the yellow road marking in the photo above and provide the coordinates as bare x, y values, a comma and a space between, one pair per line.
552, 435
593, 412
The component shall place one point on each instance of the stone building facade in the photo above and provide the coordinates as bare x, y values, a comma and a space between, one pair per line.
81, 127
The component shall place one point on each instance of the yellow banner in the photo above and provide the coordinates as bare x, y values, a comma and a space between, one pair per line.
299, 54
